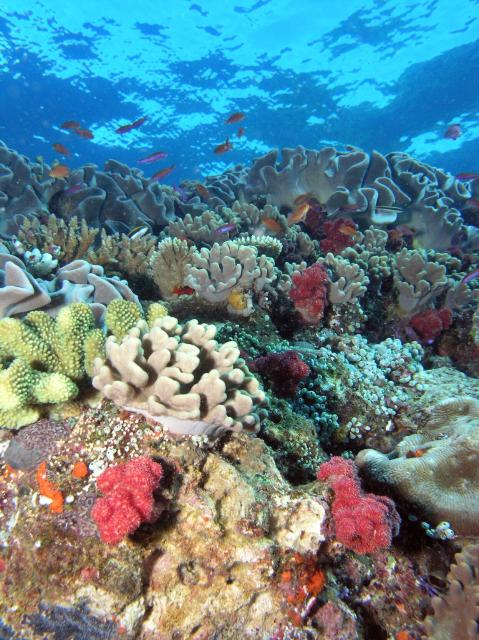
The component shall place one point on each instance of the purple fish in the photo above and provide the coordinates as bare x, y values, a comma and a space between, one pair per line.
182, 193
229, 227
75, 188
153, 157
133, 125
470, 276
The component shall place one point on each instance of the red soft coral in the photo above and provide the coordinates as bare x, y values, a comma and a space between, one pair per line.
363, 523
340, 233
431, 323
285, 370
309, 292
128, 499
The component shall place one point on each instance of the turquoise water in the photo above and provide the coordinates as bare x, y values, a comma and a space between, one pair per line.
378, 75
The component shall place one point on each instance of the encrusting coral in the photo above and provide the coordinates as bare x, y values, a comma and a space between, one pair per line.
180, 377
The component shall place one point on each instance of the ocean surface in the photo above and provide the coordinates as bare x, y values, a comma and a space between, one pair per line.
385, 75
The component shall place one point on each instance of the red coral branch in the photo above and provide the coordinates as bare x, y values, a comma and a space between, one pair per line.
128, 499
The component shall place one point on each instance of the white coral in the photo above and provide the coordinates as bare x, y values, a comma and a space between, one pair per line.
179, 376
215, 273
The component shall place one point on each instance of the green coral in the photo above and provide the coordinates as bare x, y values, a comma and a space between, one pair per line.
43, 360
155, 311
121, 316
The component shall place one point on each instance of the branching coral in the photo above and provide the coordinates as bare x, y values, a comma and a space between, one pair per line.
168, 265
67, 241
120, 254
418, 281
180, 377
347, 280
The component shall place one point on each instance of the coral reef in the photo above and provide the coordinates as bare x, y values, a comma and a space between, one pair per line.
219, 273
142, 467
309, 292
43, 361
285, 370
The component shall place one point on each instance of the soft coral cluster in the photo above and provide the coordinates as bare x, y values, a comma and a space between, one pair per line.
128, 499
429, 324
309, 292
339, 234
363, 523
285, 370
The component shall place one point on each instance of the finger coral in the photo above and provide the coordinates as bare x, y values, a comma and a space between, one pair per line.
362, 522
128, 499
43, 359
180, 377
215, 273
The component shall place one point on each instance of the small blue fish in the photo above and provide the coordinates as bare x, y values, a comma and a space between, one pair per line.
229, 227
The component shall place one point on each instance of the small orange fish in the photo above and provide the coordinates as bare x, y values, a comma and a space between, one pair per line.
240, 133
59, 171
70, 124
84, 133
183, 291
299, 214
61, 148
272, 225
348, 230
202, 191
163, 172
235, 117
224, 147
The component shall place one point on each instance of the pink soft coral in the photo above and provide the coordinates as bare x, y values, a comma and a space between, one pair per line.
309, 292
363, 523
128, 499
431, 323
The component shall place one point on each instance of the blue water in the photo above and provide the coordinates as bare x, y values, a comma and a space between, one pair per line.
385, 75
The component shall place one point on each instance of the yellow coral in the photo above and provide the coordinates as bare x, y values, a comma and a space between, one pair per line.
238, 301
